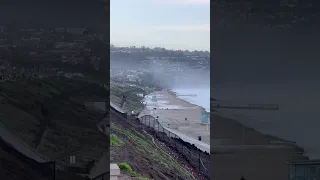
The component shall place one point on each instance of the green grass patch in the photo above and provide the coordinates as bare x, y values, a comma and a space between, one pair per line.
143, 178
126, 168
115, 141
165, 164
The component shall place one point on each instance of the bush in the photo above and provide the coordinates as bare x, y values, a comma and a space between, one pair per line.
114, 140
126, 168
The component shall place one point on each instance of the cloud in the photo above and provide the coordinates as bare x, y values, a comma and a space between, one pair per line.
185, 2
202, 27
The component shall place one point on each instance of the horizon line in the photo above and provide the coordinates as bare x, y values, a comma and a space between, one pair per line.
152, 47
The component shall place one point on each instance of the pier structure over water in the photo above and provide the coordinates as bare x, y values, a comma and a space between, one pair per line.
273, 107
189, 95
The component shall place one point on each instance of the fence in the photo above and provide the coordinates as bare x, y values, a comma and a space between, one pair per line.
198, 159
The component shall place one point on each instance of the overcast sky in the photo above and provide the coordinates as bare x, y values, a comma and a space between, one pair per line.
172, 24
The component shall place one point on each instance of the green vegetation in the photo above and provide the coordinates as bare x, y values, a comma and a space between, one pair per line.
142, 178
165, 165
126, 168
115, 141
146, 146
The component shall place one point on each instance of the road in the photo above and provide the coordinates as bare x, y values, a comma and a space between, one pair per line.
21, 146
199, 144
116, 107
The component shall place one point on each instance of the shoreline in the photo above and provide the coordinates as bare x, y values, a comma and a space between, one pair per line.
170, 91
272, 139
255, 155
172, 112
267, 139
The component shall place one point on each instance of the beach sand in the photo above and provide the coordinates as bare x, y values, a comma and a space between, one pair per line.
172, 110
253, 162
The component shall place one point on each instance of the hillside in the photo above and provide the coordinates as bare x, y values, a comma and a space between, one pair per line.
133, 100
147, 152
50, 115
142, 152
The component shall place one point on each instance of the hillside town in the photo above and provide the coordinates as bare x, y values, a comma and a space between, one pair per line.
40, 52
133, 65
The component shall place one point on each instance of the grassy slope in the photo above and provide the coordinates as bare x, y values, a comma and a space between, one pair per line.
142, 155
139, 151
72, 129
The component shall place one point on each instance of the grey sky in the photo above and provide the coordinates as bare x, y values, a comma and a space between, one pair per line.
174, 24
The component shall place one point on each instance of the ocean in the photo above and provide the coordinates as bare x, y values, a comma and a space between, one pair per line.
297, 120
202, 97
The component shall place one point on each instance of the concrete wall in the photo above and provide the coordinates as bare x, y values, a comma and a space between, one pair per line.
114, 171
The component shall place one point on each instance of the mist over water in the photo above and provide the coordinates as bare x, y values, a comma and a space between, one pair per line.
187, 82
202, 99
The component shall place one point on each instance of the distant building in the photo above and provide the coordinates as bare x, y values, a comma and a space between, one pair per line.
72, 59
28, 30
76, 31
304, 170
65, 45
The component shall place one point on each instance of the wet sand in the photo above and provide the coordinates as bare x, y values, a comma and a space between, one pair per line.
256, 156
172, 110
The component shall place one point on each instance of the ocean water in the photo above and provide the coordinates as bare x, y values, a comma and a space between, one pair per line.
202, 99
297, 120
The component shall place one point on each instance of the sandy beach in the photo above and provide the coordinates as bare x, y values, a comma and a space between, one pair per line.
246, 152
172, 110
236, 150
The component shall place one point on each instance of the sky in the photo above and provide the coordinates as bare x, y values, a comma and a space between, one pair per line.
172, 24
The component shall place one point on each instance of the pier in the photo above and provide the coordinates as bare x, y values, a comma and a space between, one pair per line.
191, 95
272, 107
